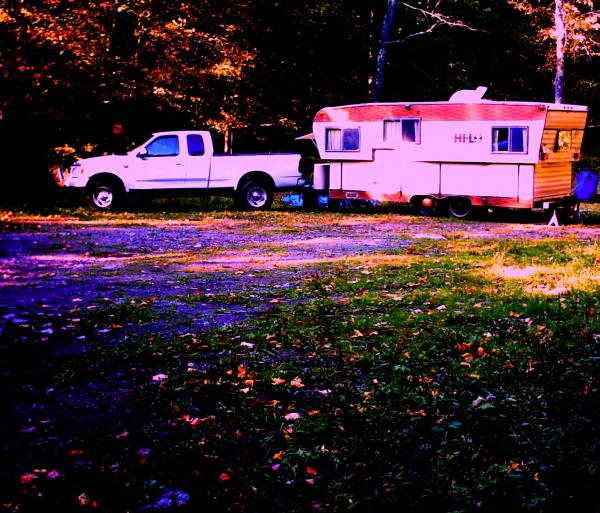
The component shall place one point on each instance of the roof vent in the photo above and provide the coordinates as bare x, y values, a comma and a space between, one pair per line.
468, 95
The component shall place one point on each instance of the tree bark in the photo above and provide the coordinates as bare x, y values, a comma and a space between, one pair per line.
561, 34
386, 28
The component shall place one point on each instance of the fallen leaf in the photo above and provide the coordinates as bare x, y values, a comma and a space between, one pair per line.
27, 478
297, 382
512, 466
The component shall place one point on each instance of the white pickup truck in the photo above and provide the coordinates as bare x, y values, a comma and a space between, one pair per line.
183, 163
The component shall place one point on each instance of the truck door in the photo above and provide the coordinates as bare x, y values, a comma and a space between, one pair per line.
198, 162
160, 164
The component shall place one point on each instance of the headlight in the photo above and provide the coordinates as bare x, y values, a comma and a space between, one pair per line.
75, 170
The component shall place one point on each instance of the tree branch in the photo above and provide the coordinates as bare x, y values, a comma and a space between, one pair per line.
440, 18
414, 34
437, 21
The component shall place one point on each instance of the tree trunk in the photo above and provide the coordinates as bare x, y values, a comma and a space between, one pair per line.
386, 28
228, 141
561, 35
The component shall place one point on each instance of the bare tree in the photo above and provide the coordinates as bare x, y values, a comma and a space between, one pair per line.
575, 29
432, 18
561, 38
386, 28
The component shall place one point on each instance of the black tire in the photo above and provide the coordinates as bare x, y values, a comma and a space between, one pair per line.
460, 207
104, 194
255, 195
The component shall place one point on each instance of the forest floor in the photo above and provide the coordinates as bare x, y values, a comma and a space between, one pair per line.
94, 308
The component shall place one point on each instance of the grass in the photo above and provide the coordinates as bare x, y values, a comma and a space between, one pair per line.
453, 375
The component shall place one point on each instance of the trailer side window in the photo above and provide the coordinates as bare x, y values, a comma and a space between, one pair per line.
347, 139
563, 140
509, 139
405, 130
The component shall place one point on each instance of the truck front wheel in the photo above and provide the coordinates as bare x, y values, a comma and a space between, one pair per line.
104, 195
255, 195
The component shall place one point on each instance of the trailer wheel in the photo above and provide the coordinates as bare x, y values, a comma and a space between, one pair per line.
255, 195
460, 207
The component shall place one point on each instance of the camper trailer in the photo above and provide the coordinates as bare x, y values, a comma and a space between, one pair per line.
462, 153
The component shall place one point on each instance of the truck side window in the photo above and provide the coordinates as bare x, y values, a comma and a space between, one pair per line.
195, 144
347, 139
164, 146
509, 139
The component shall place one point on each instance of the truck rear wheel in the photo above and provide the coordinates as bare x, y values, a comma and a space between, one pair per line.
104, 195
255, 195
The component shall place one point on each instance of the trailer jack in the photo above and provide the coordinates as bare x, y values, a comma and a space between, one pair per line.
565, 214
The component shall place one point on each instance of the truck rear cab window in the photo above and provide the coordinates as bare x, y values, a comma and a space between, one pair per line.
346, 139
509, 139
164, 146
195, 144
405, 130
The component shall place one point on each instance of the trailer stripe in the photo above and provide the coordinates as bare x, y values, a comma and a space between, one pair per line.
432, 112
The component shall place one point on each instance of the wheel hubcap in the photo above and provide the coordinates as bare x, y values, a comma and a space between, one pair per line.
103, 197
257, 197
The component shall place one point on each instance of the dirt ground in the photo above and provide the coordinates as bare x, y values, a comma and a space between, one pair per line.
49, 266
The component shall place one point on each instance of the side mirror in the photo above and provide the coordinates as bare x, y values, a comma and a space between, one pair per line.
142, 154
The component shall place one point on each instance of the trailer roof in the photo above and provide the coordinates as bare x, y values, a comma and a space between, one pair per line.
466, 98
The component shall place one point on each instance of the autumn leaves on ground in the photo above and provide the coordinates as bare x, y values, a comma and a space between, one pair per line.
396, 363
